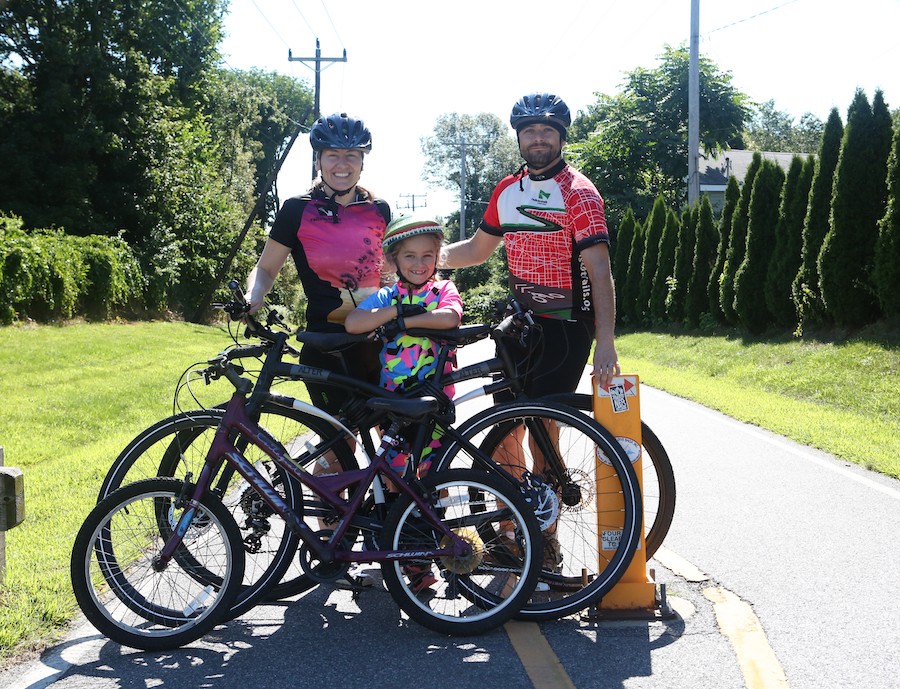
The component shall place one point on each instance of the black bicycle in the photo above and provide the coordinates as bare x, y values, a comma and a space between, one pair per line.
583, 516
158, 562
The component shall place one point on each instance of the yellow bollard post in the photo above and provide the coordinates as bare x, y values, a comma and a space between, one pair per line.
618, 408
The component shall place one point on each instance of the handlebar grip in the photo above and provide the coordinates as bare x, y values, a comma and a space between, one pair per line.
503, 328
238, 293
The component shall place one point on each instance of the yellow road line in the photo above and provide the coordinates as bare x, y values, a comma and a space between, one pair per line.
740, 624
539, 660
678, 565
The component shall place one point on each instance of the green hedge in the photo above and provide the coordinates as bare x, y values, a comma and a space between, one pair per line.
47, 275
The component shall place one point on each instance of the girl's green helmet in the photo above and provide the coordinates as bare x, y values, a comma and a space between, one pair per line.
406, 226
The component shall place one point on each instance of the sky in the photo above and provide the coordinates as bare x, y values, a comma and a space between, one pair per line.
411, 61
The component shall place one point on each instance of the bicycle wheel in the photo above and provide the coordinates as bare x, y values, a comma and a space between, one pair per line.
657, 478
478, 592
593, 520
123, 592
179, 444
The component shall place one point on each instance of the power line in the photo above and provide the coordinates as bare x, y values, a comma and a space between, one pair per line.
271, 26
331, 21
747, 19
308, 26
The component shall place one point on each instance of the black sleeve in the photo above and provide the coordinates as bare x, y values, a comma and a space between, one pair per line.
287, 221
384, 209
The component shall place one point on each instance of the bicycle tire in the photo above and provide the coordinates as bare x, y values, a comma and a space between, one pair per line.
473, 594
579, 523
130, 600
178, 444
657, 479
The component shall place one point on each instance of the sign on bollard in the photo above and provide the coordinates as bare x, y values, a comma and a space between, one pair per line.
618, 408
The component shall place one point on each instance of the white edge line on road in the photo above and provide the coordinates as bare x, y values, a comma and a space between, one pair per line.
787, 446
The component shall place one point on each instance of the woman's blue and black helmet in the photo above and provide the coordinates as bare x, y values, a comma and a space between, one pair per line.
545, 108
340, 131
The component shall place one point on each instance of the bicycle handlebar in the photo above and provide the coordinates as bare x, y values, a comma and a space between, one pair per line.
239, 310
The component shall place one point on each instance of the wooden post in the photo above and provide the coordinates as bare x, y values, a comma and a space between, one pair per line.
12, 506
2, 540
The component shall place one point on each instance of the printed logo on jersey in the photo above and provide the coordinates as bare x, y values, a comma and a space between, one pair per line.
544, 224
325, 213
536, 293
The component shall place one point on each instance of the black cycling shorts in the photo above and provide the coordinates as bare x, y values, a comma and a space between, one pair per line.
553, 359
359, 361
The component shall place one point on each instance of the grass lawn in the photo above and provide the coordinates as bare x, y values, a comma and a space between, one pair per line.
71, 398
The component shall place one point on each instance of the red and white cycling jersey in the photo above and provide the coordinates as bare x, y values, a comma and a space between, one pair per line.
545, 222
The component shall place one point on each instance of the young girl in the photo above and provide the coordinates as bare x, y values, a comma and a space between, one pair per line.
412, 249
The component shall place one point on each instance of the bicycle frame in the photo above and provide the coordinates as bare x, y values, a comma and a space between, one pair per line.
328, 488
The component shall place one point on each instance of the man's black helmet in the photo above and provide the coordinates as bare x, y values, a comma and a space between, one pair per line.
340, 131
541, 107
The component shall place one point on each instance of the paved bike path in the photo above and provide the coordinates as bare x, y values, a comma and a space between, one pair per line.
329, 637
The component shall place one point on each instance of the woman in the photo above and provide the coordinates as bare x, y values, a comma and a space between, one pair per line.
334, 234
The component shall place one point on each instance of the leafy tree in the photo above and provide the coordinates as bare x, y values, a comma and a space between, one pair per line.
684, 260
622, 243
773, 130
652, 238
737, 242
887, 248
93, 78
490, 154
253, 115
714, 286
629, 299
748, 302
665, 268
846, 260
788, 241
633, 145
805, 288
697, 299
122, 122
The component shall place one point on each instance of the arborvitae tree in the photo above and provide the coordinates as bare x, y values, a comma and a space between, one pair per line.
788, 241
887, 248
684, 260
846, 261
665, 268
697, 301
805, 289
620, 257
653, 230
631, 312
714, 286
737, 243
748, 302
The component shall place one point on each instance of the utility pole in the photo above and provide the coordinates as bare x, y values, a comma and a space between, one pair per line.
694, 107
411, 200
318, 60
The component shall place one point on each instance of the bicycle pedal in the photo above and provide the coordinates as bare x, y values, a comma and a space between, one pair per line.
354, 582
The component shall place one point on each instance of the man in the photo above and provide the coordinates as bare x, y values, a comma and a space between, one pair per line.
551, 219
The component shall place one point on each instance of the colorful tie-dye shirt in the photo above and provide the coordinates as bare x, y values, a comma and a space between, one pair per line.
406, 361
